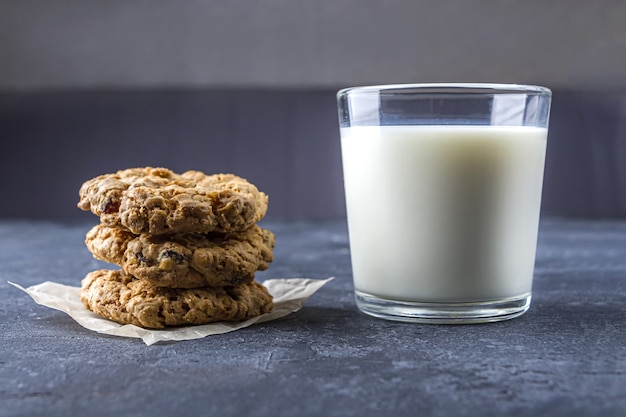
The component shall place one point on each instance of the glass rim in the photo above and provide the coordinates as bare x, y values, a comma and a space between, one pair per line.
447, 88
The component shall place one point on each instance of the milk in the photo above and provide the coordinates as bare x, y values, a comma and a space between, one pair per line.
443, 213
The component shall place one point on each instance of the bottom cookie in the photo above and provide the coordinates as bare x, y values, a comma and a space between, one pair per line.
117, 296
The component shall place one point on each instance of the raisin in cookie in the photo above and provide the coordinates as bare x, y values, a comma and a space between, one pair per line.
119, 297
185, 261
159, 201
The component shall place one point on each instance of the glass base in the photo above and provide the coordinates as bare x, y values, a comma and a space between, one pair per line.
443, 313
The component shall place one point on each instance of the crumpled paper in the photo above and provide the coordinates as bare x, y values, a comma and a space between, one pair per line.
289, 295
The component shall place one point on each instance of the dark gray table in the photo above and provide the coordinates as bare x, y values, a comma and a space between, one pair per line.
565, 357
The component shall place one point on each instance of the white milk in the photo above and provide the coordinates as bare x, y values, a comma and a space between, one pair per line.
443, 213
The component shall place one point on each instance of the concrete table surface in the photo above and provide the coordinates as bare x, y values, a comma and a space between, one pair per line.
566, 356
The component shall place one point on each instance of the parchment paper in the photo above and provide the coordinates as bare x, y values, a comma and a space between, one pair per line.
289, 295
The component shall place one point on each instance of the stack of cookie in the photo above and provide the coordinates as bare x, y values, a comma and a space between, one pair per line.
188, 246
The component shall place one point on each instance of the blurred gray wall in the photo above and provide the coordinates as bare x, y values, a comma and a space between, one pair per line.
309, 43
87, 87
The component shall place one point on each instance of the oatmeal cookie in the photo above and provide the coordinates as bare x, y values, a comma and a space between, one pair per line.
159, 201
185, 261
119, 297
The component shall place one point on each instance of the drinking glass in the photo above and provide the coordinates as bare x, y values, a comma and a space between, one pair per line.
443, 190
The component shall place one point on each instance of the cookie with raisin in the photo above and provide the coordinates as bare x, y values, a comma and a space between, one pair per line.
185, 260
160, 201
119, 297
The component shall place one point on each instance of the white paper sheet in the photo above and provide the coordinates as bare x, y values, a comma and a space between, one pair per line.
289, 295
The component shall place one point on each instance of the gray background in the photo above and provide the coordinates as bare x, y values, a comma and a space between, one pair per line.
88, 87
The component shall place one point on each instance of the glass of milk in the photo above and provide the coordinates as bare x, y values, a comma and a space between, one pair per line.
443, 191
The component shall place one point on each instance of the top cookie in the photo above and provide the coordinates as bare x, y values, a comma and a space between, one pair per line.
158, 201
